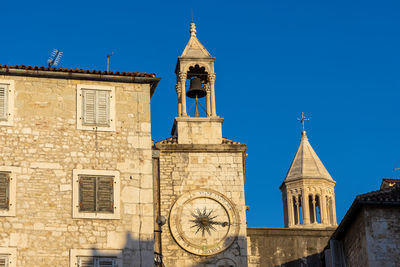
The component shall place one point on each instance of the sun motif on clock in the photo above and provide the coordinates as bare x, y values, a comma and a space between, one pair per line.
204, 222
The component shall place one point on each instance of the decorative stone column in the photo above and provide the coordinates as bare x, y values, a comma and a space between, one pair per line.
322, 208
314, 209
290, 209
208, 99
306, 209
334, 211
211, 78
182, 80
178, 93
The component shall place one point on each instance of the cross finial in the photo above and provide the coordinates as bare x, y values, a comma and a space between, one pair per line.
302, 119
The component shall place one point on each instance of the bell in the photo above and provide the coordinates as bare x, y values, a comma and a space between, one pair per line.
196, 89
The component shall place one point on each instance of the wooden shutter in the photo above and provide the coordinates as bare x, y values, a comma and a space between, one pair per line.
106, 262
89, 106
105, 191
103, 108
87, 193
3, 260
3, 101
4, 191
86, 262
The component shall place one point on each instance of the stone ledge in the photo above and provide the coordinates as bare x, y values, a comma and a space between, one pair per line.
289, 232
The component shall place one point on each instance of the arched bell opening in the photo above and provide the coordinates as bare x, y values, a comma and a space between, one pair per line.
198, 90
297, 210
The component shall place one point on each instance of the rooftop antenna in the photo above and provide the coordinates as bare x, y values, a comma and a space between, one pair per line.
54, 58
108, 60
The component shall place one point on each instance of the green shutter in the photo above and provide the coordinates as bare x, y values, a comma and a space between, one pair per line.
4, 190
105, 186
87, 193
103, 108
89, 106
3, 101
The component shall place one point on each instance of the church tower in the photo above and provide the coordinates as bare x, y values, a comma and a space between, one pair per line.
199, 175
308, 190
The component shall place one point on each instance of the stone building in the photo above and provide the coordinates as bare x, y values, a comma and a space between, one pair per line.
76, 181
369, 233
81, 183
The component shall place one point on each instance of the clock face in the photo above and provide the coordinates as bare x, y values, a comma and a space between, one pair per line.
204, 222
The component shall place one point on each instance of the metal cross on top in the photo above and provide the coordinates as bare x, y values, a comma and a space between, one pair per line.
302, 120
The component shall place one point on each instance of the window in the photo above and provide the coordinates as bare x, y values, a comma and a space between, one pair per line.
6, 102
95, 108
97, 262
96, 194
7, 190
8, 257
3, 260
4, 191
95, 258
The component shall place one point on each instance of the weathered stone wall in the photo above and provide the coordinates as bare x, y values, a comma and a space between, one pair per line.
354, 243
382, 228
285, 247
186, 168
44, 147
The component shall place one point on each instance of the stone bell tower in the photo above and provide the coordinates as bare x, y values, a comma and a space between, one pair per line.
196, 66
199, 176
308, 190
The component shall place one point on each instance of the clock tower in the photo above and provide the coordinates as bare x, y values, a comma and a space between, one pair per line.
199, 175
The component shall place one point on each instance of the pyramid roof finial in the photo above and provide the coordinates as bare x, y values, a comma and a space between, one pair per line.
192, 29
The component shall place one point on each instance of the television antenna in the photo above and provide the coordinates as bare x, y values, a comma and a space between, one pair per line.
54, 58
108, 61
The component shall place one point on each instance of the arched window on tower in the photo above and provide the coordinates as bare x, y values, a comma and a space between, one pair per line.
318, 208
295, 211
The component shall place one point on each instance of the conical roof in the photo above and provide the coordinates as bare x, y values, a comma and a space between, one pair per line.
194, 49
306, 163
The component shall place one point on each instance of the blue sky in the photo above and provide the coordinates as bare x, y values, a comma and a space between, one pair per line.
337, 61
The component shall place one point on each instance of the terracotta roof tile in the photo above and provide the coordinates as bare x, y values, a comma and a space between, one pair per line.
391, 194
76, 70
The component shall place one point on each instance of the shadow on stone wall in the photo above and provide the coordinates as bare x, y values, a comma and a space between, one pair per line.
233, 256
313, 260
133, 253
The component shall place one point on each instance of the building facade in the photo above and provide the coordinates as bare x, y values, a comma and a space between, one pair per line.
82, 184
75, 168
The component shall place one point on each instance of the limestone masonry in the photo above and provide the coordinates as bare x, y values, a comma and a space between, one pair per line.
82, 184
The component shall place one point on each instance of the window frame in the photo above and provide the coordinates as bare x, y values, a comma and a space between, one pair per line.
9, 120
11, 191
79, 108
12, 255
76, 213
74, 255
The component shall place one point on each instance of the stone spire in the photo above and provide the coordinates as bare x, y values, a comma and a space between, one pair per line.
308, 189
306, 163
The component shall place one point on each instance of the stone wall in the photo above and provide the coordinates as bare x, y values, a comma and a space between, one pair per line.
44, 147
285, 247
373, 237
184, 168
355, 244
382, 229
